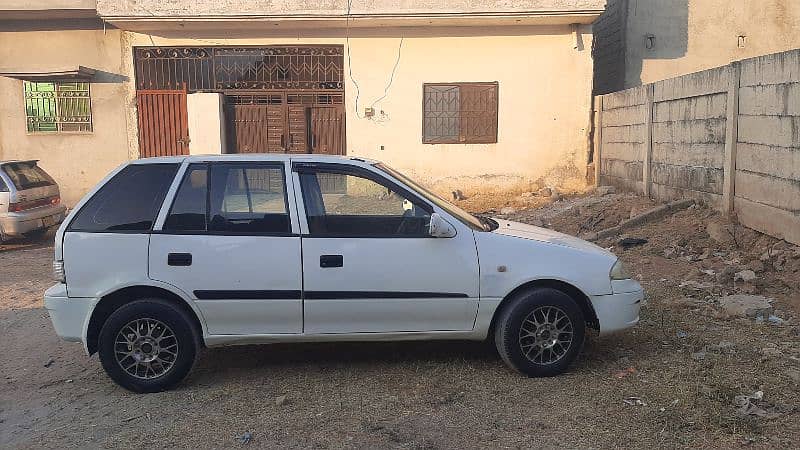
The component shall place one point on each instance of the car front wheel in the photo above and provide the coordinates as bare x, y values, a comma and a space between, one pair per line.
540, 332
148, 345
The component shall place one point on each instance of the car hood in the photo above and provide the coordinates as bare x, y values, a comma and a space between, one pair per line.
521, 230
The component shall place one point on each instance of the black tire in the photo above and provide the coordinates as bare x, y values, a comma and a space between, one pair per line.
177, 322
510, 338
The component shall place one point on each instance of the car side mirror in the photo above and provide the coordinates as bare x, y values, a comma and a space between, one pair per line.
440, 228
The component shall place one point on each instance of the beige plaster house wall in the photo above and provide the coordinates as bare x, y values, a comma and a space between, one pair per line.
544, 97
76, 160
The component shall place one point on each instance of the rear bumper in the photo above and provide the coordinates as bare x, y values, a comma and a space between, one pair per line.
16, 224
618, 312
70, 315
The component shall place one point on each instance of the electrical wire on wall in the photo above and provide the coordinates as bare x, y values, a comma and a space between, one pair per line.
350, 65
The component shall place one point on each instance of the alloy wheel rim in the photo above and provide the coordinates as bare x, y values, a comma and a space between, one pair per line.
146, 348
546, 335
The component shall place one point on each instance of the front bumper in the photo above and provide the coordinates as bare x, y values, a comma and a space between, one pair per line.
70, 315
617, 312
17, 224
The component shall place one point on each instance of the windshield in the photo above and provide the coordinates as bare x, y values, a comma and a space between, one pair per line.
477, 223
27, 175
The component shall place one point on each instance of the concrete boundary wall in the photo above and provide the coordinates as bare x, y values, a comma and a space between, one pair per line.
728, 137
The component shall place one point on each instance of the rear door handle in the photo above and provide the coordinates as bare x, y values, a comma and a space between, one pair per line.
326, 261
179, 259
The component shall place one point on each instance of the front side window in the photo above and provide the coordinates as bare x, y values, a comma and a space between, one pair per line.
354, 205
231, 198
57, 106
128, 202
459, 113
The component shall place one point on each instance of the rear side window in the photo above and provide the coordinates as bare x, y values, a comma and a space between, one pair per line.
129, 201
3, 187
231, 198
27, 175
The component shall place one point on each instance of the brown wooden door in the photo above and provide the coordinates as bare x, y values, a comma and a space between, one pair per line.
298, 129
163, 123
257, 129
327, 129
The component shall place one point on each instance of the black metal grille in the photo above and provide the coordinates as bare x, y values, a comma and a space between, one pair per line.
240, 68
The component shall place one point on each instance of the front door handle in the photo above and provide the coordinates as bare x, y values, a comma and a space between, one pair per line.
179, 259
326, 261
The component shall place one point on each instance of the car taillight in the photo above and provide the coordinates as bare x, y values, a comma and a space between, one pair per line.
22, 206
58, 272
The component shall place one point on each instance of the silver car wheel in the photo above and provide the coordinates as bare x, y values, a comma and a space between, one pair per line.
546, 335
146, 348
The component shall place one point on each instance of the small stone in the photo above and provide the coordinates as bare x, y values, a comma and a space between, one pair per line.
771, 351
793, 374
602, 191
742, 305
699, 356
756, 266
669, 252
726, 274
281, 400
745, 275
508, 210
720, 232
545, 192
703, 256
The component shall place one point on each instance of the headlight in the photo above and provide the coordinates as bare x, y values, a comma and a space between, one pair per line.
58, 271
618, 272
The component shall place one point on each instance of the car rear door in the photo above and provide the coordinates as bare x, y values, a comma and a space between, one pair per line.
369, 264
230, 241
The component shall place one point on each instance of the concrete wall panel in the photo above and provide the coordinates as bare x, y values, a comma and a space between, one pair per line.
768, 190
783, 131
623, 151
709, 131
630, 97
777, 68
693, 85
630, 115
773, 221
693, 178
780, 162
770, 100
705, 107
624, 134
703, 155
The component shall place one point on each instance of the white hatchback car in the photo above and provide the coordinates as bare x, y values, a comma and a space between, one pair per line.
168, 255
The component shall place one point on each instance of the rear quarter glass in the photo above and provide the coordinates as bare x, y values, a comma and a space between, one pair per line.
128, 202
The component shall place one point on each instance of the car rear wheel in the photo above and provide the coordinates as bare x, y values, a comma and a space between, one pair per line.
148, 345
540, 332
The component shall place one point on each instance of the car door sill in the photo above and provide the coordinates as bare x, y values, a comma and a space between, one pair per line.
218, 340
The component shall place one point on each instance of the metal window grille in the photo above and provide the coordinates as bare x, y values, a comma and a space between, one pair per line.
281, 67
459, 113
57, 106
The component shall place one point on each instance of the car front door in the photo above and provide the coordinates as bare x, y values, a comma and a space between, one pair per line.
229, 242
369, 264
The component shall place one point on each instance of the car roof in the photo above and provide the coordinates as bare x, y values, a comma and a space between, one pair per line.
282, 157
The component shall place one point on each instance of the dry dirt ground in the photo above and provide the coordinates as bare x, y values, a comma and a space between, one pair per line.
670, 382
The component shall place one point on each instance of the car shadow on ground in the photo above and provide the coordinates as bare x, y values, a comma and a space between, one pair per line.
28, 243
223, 364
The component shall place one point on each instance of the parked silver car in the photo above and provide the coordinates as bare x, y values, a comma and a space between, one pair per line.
30, 201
